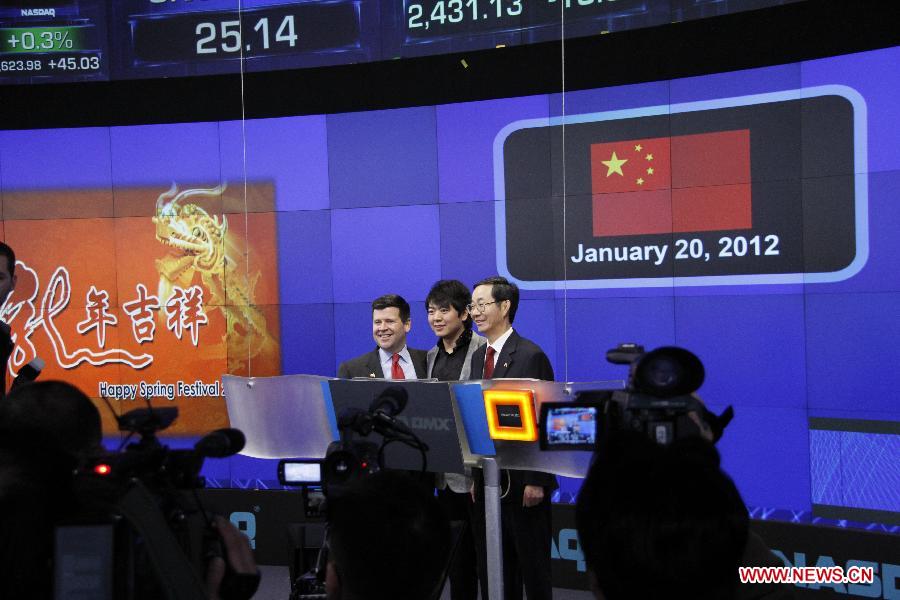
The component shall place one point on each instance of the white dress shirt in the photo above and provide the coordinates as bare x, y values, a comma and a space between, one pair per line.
498, 345
409, 371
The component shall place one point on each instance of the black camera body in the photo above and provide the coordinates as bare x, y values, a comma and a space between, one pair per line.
355, 455
348, 460
140, 525
658, 401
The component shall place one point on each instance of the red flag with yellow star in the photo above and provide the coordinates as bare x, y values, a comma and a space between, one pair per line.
677, 184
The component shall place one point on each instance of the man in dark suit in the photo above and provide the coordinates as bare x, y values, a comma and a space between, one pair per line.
525, 510
391, 359
7, 272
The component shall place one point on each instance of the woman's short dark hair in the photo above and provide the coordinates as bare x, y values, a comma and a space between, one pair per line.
448, 293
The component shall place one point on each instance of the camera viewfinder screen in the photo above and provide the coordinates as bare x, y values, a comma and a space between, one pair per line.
302, 472
572, 426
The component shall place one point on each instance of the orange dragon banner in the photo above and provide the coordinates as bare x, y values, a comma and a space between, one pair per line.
153, 296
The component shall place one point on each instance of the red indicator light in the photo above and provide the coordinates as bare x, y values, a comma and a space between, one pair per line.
364, 464
102, 469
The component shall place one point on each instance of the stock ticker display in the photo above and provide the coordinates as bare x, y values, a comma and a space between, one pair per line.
53, 41
88, 40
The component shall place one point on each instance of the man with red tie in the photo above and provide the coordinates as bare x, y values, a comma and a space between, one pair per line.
392, 359
525, 495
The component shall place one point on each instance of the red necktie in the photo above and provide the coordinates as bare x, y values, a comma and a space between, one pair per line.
396, 371
489, 362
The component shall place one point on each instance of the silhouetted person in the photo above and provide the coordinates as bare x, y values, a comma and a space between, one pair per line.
35, 493
7, 271
7, 285
57, 409
388, 540
665, 522
46, 429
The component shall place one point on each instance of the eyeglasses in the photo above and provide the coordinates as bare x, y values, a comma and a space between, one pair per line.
480, 306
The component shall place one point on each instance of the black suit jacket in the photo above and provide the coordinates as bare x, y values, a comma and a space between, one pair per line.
523, 359
519, 359
369, 365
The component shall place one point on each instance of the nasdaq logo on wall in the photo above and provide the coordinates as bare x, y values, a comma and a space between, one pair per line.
246, 524
762, 189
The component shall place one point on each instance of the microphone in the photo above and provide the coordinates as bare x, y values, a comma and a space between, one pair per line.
355, 419
221, 443
388, 405
28, 373
391, 401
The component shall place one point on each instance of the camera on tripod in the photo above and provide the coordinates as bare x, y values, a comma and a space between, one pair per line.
141, 527
348, 460
659, 401
157, 466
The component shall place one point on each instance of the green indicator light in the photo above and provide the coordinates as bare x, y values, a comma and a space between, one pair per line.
41, 39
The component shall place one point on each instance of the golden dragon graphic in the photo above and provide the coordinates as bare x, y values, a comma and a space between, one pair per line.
199, 245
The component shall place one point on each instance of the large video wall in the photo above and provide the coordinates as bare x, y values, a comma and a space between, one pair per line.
748, 216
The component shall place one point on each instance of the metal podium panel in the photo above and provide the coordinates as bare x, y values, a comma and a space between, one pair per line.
429, 413
294, 416
472, 422
528, 455
286, 416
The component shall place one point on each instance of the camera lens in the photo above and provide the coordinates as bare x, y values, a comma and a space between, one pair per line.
339, 467
667, 372
663, 372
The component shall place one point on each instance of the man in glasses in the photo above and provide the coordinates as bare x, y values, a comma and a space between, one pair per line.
525, 512
392, 359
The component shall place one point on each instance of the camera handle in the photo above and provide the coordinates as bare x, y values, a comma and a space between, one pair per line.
176, 577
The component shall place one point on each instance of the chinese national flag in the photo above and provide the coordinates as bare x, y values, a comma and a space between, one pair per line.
698, 182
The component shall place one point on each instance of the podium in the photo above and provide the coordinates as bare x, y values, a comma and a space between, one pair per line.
488, 423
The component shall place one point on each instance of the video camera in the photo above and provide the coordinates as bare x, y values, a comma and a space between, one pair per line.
157, 466
346, 461
350, 459
658, 401
141, 528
